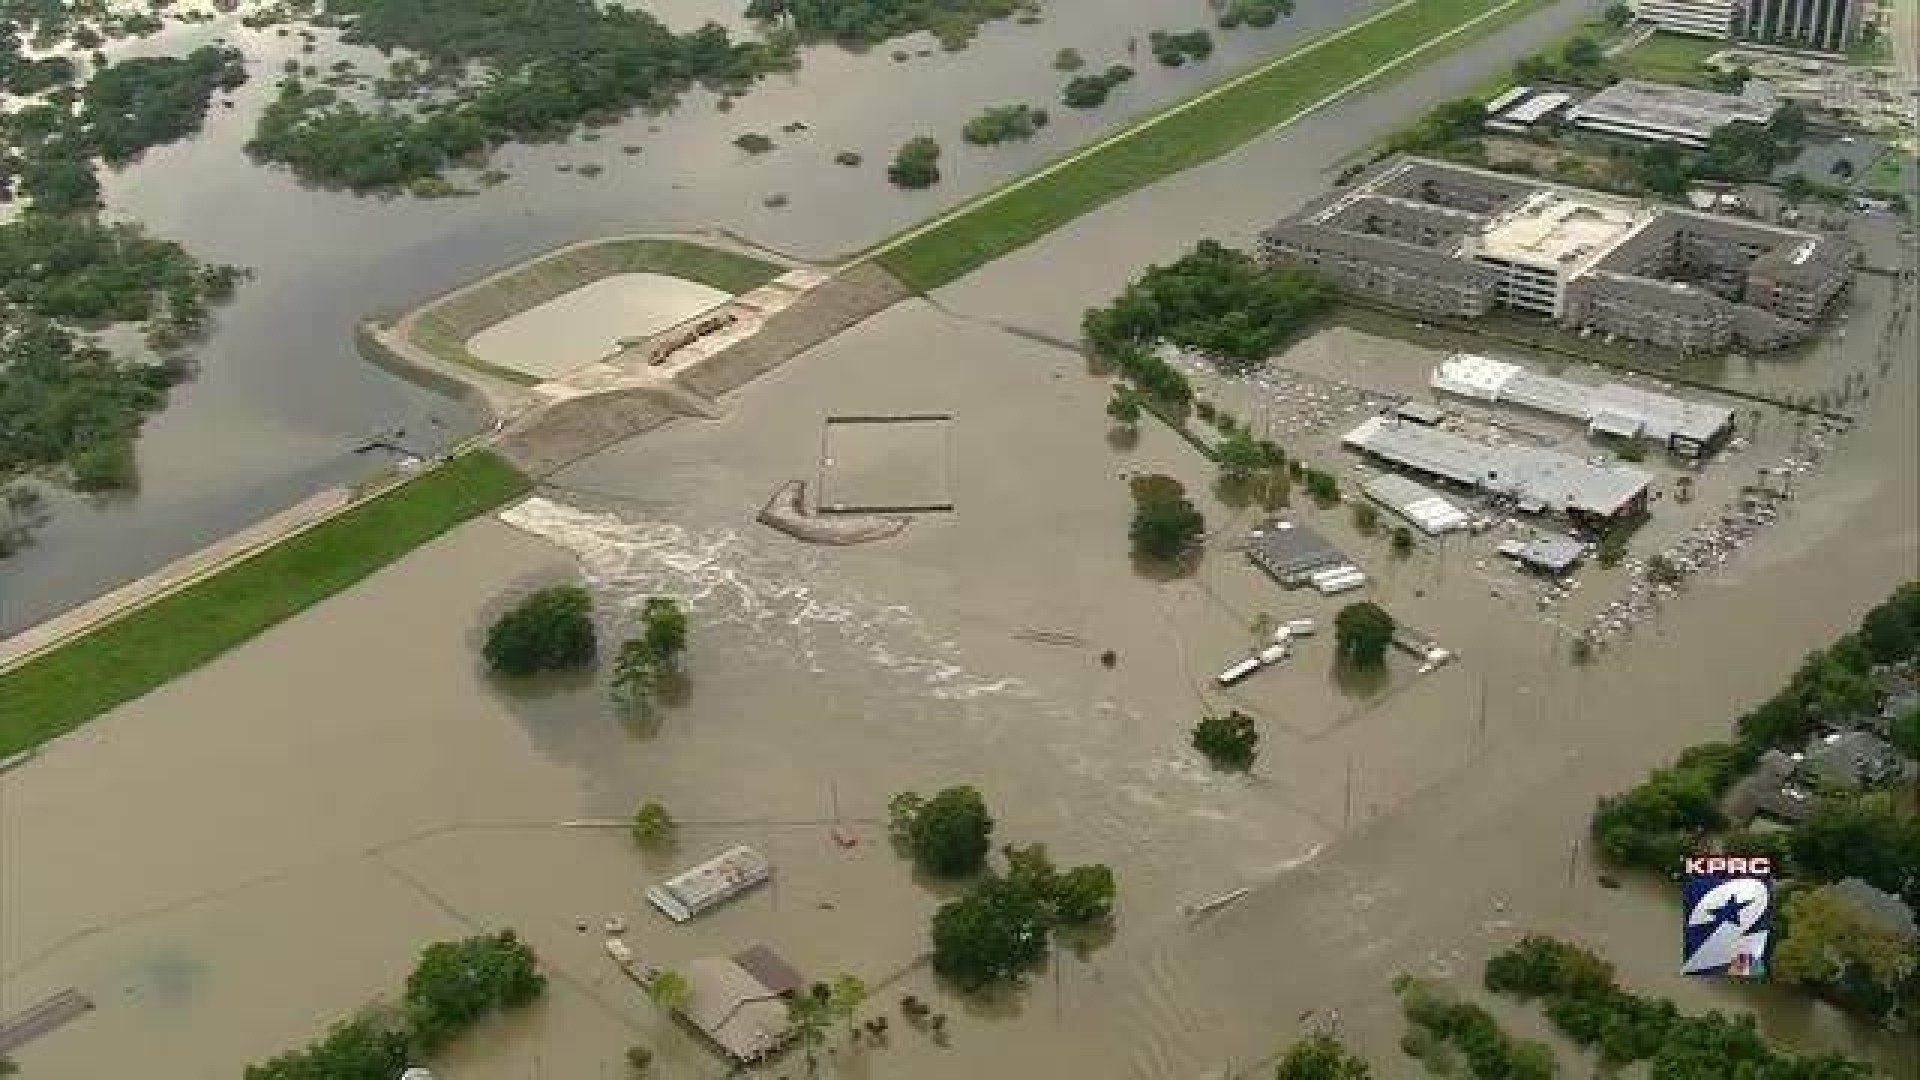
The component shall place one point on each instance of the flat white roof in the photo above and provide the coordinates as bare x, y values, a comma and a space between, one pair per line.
1635, 105
1553, 228
710, 884
1537, 107
1610, 407
1511, 96
1528, 474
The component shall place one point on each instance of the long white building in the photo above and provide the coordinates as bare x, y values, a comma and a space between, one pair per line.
1688, 428
1824, 25
1696, 18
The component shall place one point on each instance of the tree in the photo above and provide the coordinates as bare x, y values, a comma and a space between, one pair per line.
652, 825
997, 931
1662, 169
1366, 518
1084, 895
669, 990
1865, 837
664, 630
457, 983
550, 630
1124, 406
844, 997
1321, 1057
359, 1049
1830, 941
1362, 633
916, 164
639, 1061
1229, 742
635, 675
1165, 529
1618, 16
1887, 634
1402, 541
1582, 52
1240, 457
808, 1015
950, 833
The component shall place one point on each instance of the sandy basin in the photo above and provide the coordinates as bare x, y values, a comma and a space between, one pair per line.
587, 324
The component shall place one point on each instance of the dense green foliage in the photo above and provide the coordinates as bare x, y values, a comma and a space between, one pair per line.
1077, 897
1090, 91
458, 983
1834, 946
1676, 810
1361, 633
553, 66
1321, 1057
1735, 153
1451, 130
149, 100
916, 164
157, 643
949, 835
1166, 525
1262, 13
1439, 1018
1215, 300
1581, 998
454, 986
1004, 123
358, 1049
548, 630
997, 931
1229, 742
868, 22
654, 654
1172, 50
652, 825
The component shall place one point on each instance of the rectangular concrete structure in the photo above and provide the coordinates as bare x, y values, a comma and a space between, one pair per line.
1448, 240
886, 464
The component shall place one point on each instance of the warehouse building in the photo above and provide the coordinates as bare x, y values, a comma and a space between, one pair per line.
1421, 506
1452, 241
1662, 112
1688, 428
1537, 480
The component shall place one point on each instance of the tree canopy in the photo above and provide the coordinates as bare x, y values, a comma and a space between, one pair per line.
1215, 300
1229, 741
1165, 523
858, 23
1321, 1057
456, 983
916, 164
549, 630
1004, 123
997, 931
1362, 632
949, 835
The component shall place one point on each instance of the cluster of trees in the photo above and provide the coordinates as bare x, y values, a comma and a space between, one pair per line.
455, 985
1233, 13
71, 406
859, 23
1735, 153
149, 100
1257, 467
652, 655
1321, 1057
550, 629
1090, 91
1582, 62
1215, 300
1448, 130
1229, 742
1676, 810
1361, 634
1441, 1022
916, 164
1166, 525
1582, 1000
1005, 123
1172, 50
1000, 929
552, 67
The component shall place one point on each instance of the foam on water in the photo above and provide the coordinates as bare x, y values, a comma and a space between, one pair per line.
788, 601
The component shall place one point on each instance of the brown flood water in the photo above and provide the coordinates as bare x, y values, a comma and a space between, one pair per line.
262, 846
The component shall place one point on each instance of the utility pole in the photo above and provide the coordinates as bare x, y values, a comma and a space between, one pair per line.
1347, 822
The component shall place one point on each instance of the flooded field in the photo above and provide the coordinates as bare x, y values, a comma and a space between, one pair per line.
353, 767
280, 400
587, 324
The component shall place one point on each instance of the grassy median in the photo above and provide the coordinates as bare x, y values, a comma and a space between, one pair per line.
1182, 137
126, 658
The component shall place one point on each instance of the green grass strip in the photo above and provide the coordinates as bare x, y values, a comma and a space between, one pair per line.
1179, 138
124, 659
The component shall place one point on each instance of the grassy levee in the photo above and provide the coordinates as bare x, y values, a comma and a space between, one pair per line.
1182, 136
132, 655
444, 326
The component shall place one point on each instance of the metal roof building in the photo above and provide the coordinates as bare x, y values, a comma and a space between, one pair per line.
1420, 505
1291, 553
1660, 112
1536, 479
712, 883
1685, 427
1547, 552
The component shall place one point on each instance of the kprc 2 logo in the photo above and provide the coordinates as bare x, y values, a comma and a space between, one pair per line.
1729, 915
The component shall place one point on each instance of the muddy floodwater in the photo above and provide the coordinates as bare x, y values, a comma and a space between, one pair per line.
353, 769
281, 402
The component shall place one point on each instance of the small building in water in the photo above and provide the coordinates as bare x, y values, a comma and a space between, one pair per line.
712, 883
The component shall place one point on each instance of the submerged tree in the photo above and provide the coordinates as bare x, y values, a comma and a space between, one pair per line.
1229, 742
1362, 633
550, 630
652, 825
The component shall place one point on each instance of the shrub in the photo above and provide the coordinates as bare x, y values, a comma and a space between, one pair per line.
550, 630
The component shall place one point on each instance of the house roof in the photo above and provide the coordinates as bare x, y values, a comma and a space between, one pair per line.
1881, 907
1853, 759
731, 1006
